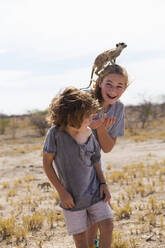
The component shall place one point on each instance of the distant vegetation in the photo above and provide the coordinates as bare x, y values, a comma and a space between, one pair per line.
140, 121
32, 124
144, 121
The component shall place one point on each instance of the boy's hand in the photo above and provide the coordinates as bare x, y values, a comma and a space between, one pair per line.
66, 199
104, 192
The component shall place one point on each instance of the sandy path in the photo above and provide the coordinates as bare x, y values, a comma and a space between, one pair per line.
126, 153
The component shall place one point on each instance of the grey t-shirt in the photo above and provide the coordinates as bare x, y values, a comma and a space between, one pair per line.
74, 165
115, 110
117, 129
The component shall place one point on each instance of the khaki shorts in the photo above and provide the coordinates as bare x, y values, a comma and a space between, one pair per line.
78, 221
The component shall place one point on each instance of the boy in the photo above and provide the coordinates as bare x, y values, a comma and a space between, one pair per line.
80, 182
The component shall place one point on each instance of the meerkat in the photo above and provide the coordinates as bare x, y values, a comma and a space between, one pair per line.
44, 185
105, 57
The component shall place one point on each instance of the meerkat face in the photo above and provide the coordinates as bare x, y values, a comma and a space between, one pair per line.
121, 44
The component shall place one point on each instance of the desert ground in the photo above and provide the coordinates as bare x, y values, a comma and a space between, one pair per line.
29, 211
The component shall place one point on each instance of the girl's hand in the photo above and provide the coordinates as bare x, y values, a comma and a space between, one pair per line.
97, 123
66, 199
109, 121
104, 191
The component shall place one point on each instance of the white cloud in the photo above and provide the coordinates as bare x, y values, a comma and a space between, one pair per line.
148, 81
51, 30
60, 29
29, 91
22, 91
2, 51
10, 79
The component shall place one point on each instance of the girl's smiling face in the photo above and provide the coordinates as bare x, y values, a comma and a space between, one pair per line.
112, 87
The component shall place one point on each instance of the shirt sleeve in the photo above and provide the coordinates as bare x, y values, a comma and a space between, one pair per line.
50, 142
118, 128
97, 152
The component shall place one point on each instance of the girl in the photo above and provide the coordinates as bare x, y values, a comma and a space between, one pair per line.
108, 88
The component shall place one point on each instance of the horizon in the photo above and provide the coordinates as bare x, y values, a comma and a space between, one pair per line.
33, 111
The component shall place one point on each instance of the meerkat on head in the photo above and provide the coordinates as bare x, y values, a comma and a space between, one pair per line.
105, 58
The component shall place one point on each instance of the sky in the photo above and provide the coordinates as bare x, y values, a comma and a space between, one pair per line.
46, 45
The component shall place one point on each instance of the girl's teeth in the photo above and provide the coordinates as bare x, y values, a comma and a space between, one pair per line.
112, 97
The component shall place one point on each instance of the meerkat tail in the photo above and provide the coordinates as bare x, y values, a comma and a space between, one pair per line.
93, 68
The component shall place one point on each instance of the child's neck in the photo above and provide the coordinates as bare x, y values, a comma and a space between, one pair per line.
80, 135
72, 130
106, 106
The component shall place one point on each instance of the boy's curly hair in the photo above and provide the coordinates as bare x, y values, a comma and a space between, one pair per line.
110, 69
70, 107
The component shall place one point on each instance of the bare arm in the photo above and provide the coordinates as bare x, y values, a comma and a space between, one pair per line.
103, 186
66, 198
105, 140
99, 172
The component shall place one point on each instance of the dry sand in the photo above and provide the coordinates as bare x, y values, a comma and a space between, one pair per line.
126, 152
13, 166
